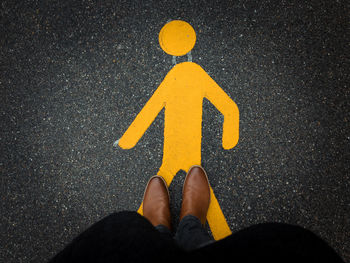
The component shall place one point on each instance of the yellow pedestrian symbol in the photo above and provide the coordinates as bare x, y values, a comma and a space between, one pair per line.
181, 93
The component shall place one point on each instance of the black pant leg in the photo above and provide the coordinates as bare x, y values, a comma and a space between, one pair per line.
120, 237
270, 242
191, 234
165, 232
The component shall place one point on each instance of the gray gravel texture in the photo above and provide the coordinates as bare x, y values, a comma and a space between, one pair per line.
74, 74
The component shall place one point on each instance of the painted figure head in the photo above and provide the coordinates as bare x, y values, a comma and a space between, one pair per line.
177, 38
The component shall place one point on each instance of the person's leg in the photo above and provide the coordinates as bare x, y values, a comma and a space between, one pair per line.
270, 242
120, 237
191, 233
165, 232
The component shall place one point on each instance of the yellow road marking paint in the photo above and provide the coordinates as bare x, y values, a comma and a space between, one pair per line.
181, 93
177, 38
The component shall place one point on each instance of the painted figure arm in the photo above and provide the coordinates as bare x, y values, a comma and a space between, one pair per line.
143, 120
227, 107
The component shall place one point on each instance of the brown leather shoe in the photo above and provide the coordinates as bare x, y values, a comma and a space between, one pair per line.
196, 194
156, 202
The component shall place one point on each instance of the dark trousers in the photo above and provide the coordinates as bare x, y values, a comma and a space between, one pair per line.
190, 233
129, 237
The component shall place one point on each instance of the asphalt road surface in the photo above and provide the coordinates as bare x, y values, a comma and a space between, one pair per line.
74, 74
